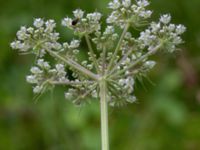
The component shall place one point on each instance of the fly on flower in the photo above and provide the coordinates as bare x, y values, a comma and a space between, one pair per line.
75, 21
78, 14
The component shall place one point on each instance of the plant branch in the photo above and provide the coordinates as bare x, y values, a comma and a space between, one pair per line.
118, 47
72, 83
104, 60
92, 52
74, 65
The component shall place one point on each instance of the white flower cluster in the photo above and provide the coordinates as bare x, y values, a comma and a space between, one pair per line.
71, 49
36, 39
162, 32
83, 25
124, 11
78, 94
106, 39
115, 58
43, 75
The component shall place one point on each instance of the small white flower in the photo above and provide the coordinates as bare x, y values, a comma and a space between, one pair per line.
145, 14
176, 39
111, 19
20, 46
89, 66
126, 3
171, 27
22, 33
123, 10
75, 51
56, 46
30, 30
52, 71
142, 3
37, 89
36, 70
129, 83
180, 29
42, 53
74, 44
96, 16
68, 95
16, 45
122, 82
50, 25
165, 18
78, 13
84, 63
60, 67
150, 64
43, 64
54, 36
94, 94
31, 79
114, 5
155, 27
131, 99
65, 45
61, 72
67, 22
40, 62
109, 30
146, 37
38, 22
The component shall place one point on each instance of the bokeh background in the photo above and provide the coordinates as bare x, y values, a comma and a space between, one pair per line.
166, 116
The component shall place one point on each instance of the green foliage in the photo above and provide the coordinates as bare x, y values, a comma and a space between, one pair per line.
166, 117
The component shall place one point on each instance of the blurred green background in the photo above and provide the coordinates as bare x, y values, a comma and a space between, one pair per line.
166, 116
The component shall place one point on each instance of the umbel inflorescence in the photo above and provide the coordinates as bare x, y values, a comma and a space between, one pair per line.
117, 58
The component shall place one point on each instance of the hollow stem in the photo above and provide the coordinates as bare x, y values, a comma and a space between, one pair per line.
104, 116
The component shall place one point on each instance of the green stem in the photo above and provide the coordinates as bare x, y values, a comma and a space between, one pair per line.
104, 116
74, 65
118, 47
92, 52
71, 83
104, 60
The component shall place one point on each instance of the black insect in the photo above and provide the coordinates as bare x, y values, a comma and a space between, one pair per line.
75, 21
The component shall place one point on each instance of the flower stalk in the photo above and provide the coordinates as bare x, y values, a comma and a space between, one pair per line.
104, 115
